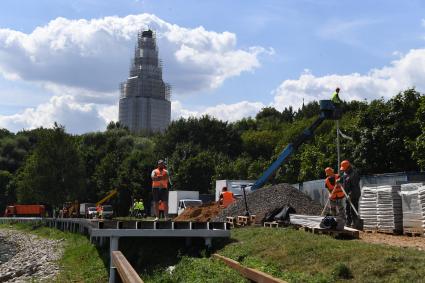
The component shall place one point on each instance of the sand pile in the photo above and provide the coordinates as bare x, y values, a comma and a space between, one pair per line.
204, 213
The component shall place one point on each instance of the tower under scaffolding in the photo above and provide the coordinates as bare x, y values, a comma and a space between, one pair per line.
144, 104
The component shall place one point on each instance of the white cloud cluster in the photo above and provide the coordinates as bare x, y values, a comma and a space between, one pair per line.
225, 112
94, 54
408, 71
87, 59
79, 118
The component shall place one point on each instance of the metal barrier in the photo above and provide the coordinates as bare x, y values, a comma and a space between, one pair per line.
124, 268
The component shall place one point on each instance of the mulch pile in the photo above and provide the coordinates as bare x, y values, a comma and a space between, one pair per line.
267, 199
203, 213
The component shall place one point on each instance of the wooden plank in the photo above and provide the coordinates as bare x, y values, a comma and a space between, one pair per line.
250, 273
124, 268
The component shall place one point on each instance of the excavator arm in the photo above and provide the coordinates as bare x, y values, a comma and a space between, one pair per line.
327, 111
107, 197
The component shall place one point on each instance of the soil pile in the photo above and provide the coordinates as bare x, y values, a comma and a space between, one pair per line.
267, 199
204, 213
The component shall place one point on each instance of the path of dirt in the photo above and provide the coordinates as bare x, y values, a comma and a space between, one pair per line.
394, 240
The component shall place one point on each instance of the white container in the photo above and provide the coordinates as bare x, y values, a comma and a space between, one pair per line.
175, 196
84, 207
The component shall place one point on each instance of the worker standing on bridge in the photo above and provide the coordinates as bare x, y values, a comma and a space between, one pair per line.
226, 198
160, 188
336, 195
351, 184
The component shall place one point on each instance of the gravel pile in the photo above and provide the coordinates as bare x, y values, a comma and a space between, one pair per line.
35, 259
264, 200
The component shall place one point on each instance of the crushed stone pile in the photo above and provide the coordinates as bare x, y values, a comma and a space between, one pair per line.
204, 213
267, 199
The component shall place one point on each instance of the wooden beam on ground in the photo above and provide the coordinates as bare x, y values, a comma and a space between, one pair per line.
124, 268
250, 273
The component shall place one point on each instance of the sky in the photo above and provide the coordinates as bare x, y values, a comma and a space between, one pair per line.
62, 61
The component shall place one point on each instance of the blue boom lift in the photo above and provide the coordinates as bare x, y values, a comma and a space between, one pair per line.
327, 111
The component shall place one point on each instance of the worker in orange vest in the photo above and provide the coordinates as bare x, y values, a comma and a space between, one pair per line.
336, 194
160, 188
161, 207
226, 198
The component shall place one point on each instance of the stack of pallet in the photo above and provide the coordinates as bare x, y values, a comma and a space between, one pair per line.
368, 208
381, 209
412, 208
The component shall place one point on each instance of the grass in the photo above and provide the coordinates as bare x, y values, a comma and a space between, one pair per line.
294, 256
196, 270
297, 256
81, 261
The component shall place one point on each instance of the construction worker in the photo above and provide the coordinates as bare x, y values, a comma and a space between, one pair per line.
351, 184
160, 187
161, 208
99, 211
226, 198
336, 195
139, 208
335, 97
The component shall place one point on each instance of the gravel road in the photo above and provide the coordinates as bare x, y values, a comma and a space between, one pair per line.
32, 258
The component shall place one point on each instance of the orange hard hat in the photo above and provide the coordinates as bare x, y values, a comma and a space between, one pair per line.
345, 165
329, 171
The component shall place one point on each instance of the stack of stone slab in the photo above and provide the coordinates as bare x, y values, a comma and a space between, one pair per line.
390, 211
413, 209
368, 208
381, 209
421, 196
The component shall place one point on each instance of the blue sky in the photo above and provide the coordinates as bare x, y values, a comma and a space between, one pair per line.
290, 50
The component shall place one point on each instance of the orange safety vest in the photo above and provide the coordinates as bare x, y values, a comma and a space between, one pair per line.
161, 206
335, 191
163, 182
228, 198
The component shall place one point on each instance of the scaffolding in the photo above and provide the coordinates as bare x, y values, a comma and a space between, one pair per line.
145, 92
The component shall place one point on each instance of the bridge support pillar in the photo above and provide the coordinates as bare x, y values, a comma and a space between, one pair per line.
208, 243
113, 246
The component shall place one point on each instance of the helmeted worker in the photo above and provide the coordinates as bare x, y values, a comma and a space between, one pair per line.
351, 184
139, 207
336, 195
335, 96
226, 198
160, 187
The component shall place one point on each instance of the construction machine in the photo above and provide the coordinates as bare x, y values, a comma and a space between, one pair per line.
328, 111
69, 210
110, 195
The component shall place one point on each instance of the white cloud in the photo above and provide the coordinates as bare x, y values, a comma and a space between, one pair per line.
94, 54
78, 118
225, 112
406, 72
80, 63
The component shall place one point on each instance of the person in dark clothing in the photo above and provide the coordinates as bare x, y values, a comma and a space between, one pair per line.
351, 184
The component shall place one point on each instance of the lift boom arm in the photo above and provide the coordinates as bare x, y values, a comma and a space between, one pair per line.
327, 111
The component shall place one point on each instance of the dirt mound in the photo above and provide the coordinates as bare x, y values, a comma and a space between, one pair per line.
202, 213
264, 200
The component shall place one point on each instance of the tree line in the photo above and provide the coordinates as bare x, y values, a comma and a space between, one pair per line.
51, 166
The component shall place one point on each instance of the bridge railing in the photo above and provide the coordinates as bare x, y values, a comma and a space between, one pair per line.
124, 268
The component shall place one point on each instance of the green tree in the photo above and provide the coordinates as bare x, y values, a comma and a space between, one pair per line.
53, 173
5, 182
